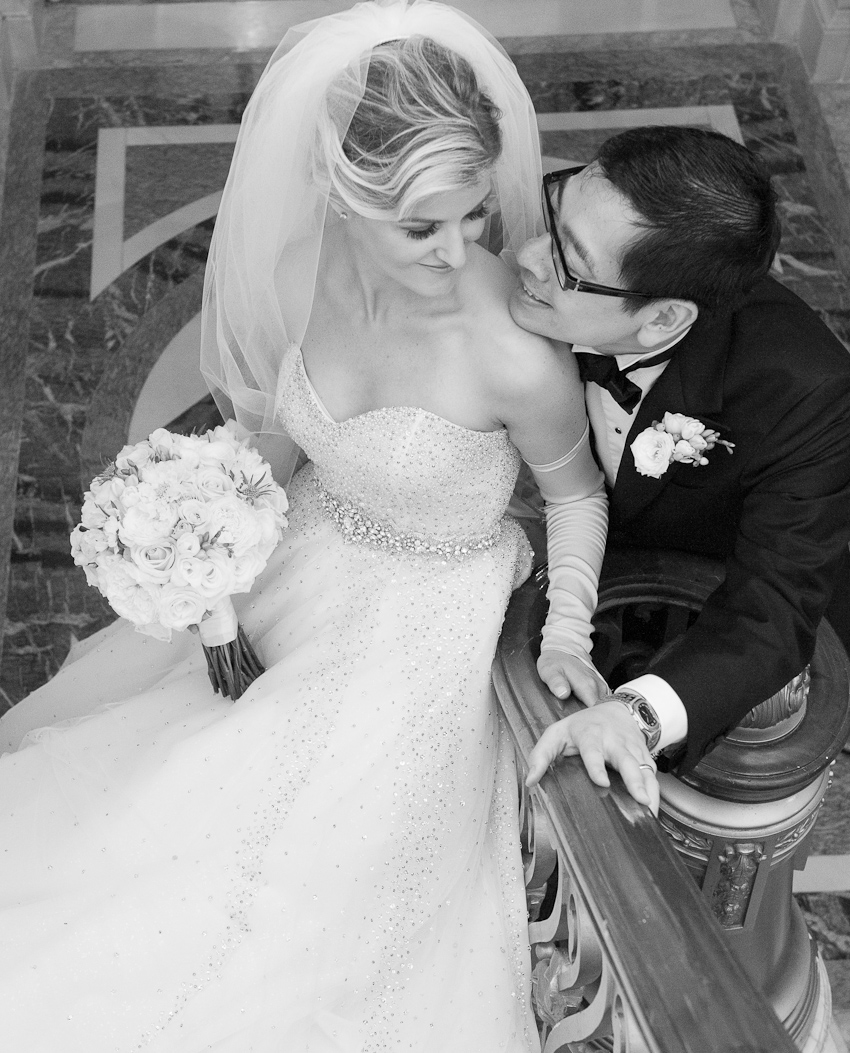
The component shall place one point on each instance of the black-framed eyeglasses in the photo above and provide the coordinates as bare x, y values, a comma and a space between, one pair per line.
566, 280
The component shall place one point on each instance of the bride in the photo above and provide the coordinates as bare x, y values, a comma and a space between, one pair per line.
329, 865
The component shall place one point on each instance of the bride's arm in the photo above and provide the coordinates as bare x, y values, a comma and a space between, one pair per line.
576, 527
546, 420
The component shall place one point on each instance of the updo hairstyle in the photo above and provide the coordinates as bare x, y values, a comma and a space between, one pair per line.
422, 127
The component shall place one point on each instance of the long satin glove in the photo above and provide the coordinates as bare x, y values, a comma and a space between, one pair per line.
573, 488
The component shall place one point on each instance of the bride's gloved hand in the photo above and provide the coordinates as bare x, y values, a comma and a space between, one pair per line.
602, 735
565, 674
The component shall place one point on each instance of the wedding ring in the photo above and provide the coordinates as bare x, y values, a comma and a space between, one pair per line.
650, 766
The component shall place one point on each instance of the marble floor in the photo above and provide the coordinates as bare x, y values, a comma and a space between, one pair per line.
118, 145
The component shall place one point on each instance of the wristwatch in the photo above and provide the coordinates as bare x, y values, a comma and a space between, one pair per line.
644, 715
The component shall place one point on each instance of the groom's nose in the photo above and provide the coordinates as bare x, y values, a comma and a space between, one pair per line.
536, 256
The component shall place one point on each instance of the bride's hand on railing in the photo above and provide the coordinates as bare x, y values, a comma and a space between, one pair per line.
565, 674
604, 735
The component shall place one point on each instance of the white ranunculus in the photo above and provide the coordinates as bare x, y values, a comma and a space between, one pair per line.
652, 451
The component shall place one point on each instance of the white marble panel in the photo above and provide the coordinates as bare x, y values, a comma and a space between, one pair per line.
111, 253
173, 385
720, 118
261, 23
824, 874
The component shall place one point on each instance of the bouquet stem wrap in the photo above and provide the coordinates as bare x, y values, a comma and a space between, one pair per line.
232, 663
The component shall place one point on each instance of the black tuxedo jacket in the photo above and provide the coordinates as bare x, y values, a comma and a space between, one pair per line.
772, 379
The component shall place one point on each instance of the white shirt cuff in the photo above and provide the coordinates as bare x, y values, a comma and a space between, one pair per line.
667, 705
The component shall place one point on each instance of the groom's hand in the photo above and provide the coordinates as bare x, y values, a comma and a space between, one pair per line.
566, 675
603, 735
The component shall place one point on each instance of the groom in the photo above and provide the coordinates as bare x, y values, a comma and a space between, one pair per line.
655, 270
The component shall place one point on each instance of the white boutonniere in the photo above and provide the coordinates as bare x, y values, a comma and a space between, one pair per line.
675, 438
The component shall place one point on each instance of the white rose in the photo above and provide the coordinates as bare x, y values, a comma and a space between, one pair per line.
187, 570
218, 452
212, 482
155, 560
187, 544
180, 607
211, 577
652, 451
195, 512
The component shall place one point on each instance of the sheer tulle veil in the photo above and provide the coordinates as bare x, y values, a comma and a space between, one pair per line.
264, 256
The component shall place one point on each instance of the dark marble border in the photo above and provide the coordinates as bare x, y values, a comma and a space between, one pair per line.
18, 226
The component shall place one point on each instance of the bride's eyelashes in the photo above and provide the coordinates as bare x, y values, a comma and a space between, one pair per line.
426, 232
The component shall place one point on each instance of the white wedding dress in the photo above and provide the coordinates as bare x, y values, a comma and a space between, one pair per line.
330, 864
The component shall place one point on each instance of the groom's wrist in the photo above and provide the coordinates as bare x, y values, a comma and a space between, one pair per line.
668, 707
642, 713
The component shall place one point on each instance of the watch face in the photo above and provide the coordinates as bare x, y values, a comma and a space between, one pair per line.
646, 714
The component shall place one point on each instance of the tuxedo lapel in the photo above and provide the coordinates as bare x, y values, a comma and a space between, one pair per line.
691, 384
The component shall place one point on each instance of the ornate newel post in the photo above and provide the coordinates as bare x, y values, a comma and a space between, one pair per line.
741, 820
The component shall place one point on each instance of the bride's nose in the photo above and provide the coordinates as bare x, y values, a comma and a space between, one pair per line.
536, 256
452, 247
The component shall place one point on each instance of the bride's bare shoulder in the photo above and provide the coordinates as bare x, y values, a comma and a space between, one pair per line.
491, 287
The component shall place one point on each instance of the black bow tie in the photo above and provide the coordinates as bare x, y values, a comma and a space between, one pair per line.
604, 371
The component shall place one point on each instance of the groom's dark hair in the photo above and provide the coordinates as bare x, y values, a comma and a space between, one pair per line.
708, 212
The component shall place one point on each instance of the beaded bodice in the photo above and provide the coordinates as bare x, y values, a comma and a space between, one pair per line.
406, 470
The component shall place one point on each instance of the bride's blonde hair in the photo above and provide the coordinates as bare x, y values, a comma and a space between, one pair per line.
422, 127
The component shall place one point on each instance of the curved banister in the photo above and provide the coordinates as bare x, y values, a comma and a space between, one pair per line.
657, 973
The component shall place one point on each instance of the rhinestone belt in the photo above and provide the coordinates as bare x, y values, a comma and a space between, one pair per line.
356, 526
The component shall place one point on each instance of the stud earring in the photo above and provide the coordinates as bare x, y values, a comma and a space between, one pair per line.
343, 215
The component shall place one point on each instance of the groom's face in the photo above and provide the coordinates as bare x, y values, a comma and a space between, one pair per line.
595, 224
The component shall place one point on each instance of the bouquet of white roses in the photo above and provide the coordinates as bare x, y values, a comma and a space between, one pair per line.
174, 527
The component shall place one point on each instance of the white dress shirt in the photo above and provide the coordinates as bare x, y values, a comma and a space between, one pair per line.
611, 424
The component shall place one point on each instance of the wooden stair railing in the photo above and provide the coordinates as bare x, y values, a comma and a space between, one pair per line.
628, 955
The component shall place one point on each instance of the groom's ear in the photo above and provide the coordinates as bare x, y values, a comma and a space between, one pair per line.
665, 320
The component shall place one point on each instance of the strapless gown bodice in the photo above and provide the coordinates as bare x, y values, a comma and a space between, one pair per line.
405, 468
